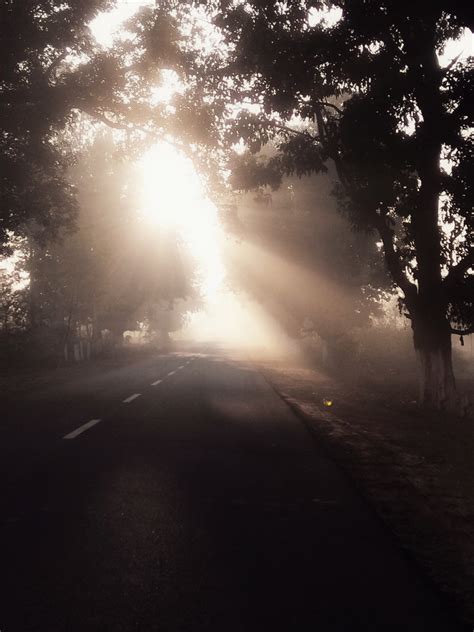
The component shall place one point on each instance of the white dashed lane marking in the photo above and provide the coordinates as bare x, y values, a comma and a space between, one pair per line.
183, 366
93, 422
75, 433
131, 398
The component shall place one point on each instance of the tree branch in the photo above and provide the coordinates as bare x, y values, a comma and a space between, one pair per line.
321, 126
452, 63
55, 63
104, 119
132, 127
393, 261
459, 270
379, 221
292, 131
329, 105
463, 332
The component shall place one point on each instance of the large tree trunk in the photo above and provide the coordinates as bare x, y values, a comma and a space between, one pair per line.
432, 340
432, 331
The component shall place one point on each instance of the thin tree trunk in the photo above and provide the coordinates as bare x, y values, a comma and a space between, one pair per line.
32, 297
67, 332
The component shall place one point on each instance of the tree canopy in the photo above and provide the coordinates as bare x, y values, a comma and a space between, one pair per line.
358, 84
37, 37
54, 73
355, 85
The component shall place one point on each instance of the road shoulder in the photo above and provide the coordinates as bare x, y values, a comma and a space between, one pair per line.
416, 471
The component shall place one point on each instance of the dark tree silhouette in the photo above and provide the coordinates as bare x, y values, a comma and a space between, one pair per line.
368, 94
39, 39
114, 267
53, 74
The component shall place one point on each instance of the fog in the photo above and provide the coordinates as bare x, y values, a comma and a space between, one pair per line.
154, 261
154, 205
236, 315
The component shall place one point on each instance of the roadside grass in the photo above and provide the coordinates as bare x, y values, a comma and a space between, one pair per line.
416, 468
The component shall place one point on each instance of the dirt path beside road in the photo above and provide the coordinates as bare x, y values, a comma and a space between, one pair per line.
416, 469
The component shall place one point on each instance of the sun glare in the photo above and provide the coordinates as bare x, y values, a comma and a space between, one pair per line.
13, 265
173, 197
459, 49
109, 24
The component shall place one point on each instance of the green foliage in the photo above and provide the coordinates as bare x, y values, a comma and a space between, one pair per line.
367, 94
12, 303
314, 268
113, 272
364, 94
38, 39
116, 266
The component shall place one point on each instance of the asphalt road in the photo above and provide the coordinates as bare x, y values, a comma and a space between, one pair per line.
200, 504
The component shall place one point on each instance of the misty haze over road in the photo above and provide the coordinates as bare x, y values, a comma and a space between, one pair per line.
236, 315
199, 504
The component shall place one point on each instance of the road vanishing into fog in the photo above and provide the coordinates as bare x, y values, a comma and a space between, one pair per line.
180, 493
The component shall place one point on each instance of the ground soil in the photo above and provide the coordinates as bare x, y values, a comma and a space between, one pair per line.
414, 467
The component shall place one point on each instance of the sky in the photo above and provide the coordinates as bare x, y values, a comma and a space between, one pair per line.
106, 24
173, 196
